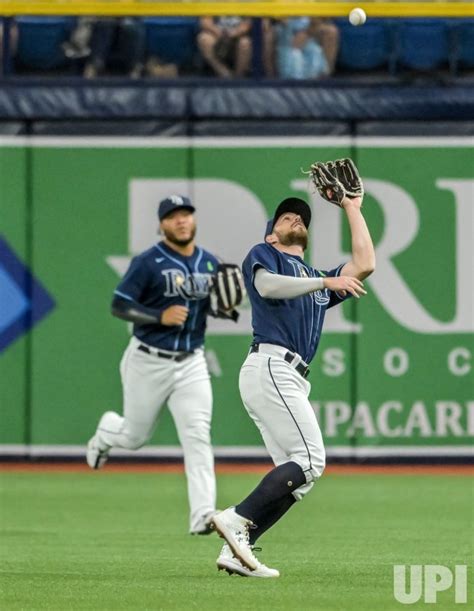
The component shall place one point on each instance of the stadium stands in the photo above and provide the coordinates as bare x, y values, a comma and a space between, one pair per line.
40, 40
382, 46
367, 48
172, 39
423, 44
464, 45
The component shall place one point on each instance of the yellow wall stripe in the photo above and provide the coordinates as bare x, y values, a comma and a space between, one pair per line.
274, 8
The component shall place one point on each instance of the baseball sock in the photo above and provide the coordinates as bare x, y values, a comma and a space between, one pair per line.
275, 485
267, 520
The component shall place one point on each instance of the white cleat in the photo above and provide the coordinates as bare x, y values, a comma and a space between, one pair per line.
235, 530
204, 526
227, 562
96, 458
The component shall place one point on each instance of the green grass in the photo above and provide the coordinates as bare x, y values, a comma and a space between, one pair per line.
119, 541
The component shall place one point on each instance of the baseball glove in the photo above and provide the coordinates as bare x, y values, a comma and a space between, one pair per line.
227, 290
336, 180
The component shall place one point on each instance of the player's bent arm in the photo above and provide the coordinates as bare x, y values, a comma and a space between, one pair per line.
363, 253
276, 286
134, 312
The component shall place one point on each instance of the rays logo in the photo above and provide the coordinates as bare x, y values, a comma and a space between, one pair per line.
299, 270
177, 200
321, 297
191, 287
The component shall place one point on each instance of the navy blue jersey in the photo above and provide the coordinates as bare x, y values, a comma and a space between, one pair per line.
296, 323
159, 278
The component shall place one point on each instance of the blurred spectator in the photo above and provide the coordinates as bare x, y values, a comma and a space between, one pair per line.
171, 46
78, 45
13, 41
269, 44
225, 45
116, 42
158, 68
299, 56
326, 33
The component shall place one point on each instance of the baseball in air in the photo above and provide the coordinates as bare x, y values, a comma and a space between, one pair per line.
357, 16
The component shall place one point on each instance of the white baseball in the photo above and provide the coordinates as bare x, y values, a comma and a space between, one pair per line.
357, 16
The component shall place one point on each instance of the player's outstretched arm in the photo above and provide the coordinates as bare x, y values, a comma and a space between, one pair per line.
276, 286
362, 263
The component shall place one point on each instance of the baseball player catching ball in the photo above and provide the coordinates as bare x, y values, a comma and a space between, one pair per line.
289, 300
167, 293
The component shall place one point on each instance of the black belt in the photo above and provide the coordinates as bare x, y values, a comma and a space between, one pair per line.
164, 355
303, 370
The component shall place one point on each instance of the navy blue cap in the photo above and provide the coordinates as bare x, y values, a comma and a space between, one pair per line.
290, 204
172, 203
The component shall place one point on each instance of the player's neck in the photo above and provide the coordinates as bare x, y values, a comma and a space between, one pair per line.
186, 251
294, 249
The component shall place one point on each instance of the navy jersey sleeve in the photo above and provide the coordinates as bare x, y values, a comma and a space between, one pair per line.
260, 256
135, 280
335, 298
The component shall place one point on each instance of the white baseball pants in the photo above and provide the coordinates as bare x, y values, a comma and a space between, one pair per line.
148, 383
276, 398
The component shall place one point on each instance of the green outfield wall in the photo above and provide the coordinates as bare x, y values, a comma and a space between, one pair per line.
393, 371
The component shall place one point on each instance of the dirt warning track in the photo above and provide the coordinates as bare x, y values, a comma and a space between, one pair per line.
234, 468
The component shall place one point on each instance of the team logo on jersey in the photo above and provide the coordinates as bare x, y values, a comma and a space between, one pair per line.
299, 269
191, 286
321, 297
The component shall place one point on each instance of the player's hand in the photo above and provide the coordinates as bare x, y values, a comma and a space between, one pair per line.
174, 315
344, 285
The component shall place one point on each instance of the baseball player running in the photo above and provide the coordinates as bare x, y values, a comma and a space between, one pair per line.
289, 300
167, 293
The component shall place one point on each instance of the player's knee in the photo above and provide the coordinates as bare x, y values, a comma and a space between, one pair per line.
316, 468
312, 464
134, 441
134, 437
318, 464
313, 472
